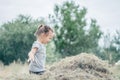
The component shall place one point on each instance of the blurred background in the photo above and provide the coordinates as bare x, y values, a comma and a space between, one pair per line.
80, 26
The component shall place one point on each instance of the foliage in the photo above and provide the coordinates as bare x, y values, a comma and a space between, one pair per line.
16, 38
73, 33
116, 46
52, 56
111, 48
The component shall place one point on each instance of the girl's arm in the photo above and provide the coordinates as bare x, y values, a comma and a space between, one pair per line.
32, 53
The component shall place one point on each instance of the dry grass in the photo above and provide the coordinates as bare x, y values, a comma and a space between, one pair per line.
116, 70
80, 67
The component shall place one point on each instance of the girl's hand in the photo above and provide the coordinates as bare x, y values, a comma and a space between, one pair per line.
31, 54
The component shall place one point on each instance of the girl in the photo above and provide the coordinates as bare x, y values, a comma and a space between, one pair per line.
37, 55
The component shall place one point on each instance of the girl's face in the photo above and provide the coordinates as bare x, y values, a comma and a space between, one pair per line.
45, 38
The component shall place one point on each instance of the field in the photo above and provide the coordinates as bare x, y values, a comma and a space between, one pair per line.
80, 67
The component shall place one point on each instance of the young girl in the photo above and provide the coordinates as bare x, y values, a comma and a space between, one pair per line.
37, 55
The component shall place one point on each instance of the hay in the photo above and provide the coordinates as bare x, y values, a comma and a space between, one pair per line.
81, 67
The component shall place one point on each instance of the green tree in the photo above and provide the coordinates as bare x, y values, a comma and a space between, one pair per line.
111, 48
16, 38
73, 33
115, 47
106, 52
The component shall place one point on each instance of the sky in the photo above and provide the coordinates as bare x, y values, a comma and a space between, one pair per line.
106, 12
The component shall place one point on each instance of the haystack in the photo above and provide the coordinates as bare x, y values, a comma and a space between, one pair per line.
80, 67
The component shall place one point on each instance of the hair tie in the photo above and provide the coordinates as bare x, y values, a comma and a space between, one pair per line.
40, 26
